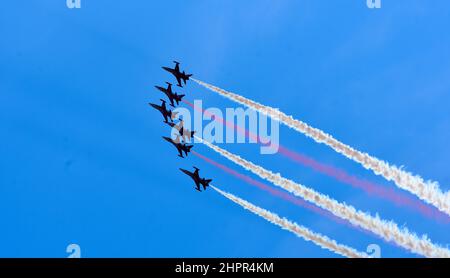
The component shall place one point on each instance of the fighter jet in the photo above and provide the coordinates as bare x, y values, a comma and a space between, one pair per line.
171, 95
185, 133
178, 75
181, 147
167, 114
196, 177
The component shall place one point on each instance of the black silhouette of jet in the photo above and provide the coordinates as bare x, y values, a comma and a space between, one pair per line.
181, 147
185, 133
166, 113
171, 95
178, 75
196, 177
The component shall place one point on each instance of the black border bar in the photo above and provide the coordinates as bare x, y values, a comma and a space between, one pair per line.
224, 266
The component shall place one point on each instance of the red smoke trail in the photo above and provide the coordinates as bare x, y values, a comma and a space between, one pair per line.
369, 187
338, 174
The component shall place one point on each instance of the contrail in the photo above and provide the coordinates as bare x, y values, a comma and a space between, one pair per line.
281, 194
428, 191
300, 231
371, 188
387, 230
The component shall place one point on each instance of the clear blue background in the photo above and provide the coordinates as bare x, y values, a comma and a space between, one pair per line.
81, 155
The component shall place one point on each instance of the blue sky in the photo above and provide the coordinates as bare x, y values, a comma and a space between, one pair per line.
82, 160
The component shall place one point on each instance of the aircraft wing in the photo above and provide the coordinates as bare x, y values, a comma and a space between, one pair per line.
160, 88
155, 106
187, 173
170, 140
178, 80
171, 99
180, 151
165, 117
197, 186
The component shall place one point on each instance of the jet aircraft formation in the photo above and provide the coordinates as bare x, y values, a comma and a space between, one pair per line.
184, 135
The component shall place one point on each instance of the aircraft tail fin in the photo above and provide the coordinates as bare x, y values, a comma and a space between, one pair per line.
206, 183
189, 147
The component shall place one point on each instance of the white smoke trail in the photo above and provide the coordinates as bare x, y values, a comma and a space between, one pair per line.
428, 191
300, 231
388, 230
